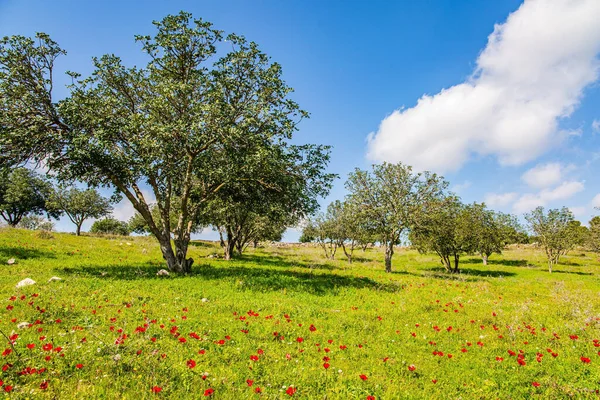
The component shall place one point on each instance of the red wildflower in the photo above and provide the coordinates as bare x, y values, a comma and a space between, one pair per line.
47, 347
363, 377
291, 390
208, 392
191, 364
254, 357
326, 365
156, 389
300, 340
312, 329
411, 367
44, 385
370, 397
8, 388
6, 352
585, 360
250, 382
258, 390
79, 366
535, 384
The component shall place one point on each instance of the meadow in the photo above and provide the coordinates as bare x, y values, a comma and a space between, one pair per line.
283, 322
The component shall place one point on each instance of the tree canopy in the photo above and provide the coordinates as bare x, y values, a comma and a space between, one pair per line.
22, 192
78, 205
204, 103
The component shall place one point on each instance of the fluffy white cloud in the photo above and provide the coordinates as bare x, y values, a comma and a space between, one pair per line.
596, 125
531, 73
596, 201
458, 188
545, 175
124, 209
495, 200
529, 201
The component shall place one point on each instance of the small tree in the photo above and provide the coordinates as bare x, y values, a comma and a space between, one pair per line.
593, 241
79, 205
390, 200
36, 222
110, 226
22, 192
319, 229
554, 230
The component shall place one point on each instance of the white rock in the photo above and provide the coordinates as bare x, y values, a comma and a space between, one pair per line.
11, 261
23, 325
54, 278
25, 282
162, 272
204, 300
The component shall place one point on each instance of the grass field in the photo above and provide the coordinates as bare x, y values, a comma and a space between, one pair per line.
282, 321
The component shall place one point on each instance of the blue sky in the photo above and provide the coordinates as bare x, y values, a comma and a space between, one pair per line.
508, 119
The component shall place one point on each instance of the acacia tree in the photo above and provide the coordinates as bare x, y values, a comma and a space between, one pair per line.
391, 199
79, 205
554, 230
22, 192
176, 124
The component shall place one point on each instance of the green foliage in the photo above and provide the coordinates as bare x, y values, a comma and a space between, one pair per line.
78, 204
36, 222
390, 199
556, 231
593, 240
22, 192
183, 124
110, 226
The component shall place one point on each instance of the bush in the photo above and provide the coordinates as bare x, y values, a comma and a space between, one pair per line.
110, 226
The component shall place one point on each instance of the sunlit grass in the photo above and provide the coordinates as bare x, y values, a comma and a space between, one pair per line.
263, 304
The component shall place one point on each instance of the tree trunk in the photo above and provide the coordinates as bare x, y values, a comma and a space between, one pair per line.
78, 230
254, 243
456, 258
484, 257
176, 261
550, 266
389, 252
228, 249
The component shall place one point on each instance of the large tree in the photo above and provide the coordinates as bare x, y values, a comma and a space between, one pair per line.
391, 199
554, 230
178, 124
78, 204
22, 192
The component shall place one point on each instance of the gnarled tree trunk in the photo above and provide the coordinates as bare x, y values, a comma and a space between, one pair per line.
389, 252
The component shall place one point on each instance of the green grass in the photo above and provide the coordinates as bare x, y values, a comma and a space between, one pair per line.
110, 284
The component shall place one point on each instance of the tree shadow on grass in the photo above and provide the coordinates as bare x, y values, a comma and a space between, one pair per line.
508, 263
281, 262
469, 272
571, 272
244, 278
23, 253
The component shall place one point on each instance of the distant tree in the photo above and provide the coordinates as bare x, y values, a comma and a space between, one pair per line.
391, 199
449, 230
580, 233
319, 229
180, 123
22, 192
78, 204
492, 231
110, 226
593, 241
554, 230
36, 222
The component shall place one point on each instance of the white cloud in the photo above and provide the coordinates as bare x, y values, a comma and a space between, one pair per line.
495, 200
529, 201
545, 175
124, 209
579, 211
458, 188
531, 73
596, 201
596, 126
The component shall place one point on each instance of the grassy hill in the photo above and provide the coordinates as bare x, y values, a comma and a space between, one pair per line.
284, 321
